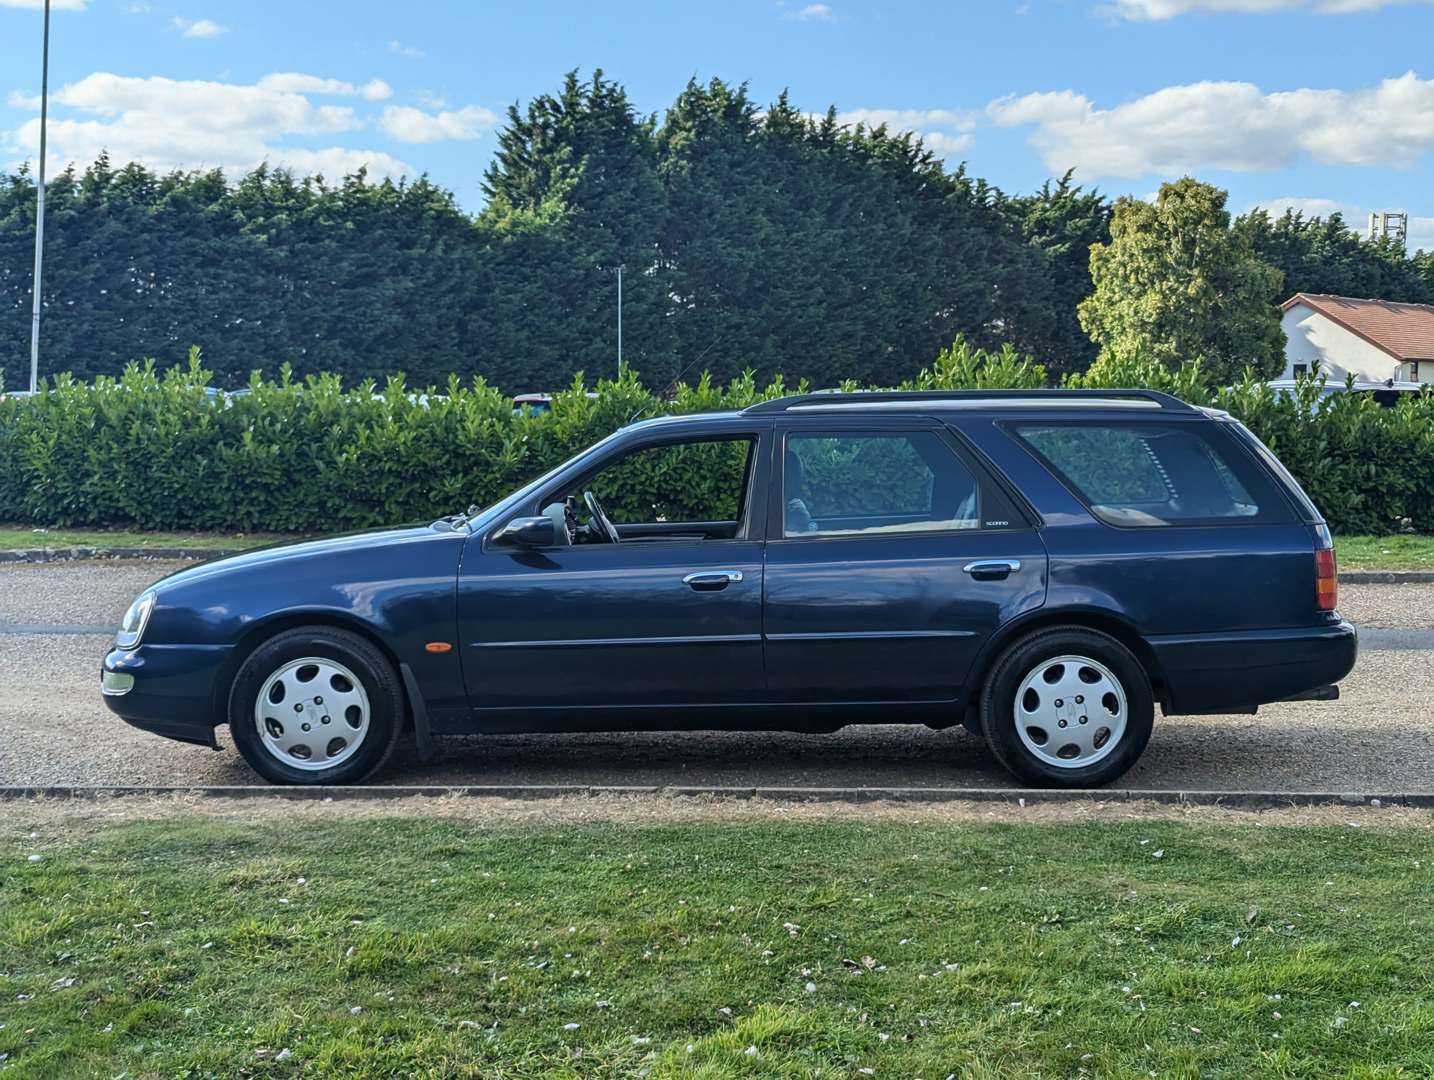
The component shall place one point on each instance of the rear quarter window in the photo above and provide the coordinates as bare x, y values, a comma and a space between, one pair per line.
1153, 474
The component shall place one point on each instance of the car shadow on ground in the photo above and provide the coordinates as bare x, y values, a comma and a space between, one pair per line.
856, 756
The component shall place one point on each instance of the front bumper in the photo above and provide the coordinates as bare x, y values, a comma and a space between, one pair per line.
1235, 672
172, 692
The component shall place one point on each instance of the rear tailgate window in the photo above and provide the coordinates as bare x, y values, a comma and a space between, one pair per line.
1151, 473
1303, 502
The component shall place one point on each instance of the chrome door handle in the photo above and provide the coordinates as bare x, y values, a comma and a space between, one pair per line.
711, 580
992, 569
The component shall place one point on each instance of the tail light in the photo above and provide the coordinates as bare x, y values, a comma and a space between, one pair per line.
1326, 580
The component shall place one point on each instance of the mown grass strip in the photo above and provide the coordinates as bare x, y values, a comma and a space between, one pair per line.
1399, 552
19, 537
426, 947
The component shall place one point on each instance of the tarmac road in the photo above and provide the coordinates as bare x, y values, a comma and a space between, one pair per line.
1379, 737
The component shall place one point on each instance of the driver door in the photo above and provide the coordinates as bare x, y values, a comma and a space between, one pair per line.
670, 615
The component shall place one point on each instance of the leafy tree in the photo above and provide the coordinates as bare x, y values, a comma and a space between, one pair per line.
1324, 255
752, 238
1176, 283
573, 193
795, 245
1060, 222
362, 278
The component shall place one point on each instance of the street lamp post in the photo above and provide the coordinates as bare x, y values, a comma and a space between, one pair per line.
620, 269
40, 207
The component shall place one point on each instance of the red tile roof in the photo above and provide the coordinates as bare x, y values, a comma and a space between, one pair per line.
1404, 331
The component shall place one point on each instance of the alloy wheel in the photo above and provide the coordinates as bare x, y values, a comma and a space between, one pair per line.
1070, 711
312, 713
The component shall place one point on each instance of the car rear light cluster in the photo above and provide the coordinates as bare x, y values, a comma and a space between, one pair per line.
1326, 580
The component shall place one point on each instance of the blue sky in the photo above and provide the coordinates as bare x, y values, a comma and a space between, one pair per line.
1320, 103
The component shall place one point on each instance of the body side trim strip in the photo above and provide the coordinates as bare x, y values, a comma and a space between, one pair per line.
567, 643
860, 635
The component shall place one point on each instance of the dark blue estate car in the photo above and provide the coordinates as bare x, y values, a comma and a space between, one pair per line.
1042, 566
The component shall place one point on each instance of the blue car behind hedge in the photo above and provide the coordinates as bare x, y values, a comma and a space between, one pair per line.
1043, 566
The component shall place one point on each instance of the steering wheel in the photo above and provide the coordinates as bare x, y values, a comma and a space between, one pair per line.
596, 517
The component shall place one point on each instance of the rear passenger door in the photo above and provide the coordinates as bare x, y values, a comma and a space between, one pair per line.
892, 556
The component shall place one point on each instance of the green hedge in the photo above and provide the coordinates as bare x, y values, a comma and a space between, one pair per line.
154, 451
151, 450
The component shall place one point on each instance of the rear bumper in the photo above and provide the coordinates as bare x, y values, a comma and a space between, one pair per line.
172, 693
1234, 672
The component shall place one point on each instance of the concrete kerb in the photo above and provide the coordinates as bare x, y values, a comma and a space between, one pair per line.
1230, 800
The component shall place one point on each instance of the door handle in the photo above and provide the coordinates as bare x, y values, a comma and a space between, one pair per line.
992, 569
711, 580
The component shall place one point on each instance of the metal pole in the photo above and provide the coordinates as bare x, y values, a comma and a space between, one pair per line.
40, 207
620, 269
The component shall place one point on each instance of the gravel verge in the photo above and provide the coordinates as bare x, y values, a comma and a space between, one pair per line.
65, 817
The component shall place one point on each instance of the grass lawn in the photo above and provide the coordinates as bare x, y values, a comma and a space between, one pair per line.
15, 537
421, 946
1385, 552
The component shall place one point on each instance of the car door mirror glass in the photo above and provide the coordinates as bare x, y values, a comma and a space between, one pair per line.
528, 532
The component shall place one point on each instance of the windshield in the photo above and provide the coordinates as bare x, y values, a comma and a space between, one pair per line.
486, 517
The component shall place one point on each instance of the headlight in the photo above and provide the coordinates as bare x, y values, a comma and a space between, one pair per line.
135, 620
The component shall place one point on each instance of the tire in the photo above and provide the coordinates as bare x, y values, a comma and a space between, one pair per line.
1067, 707
333, 707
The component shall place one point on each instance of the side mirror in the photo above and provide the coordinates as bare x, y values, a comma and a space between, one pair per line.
528, 532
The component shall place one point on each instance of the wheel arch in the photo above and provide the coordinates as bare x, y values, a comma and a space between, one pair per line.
1092, 618
263, 629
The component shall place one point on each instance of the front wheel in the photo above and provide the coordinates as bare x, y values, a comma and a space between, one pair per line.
316, 705
1067, 707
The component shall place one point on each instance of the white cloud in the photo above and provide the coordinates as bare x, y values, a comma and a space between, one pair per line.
944, 131
1421, 229
1160, 10
796, 11
1227, 125
199, 28
410, 125
338, 161
39, 5
908, 119
398, 48
174, 124
945, 145
293, 82
1354, 215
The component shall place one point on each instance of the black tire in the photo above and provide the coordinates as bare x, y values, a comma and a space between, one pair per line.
998, 706
373, 669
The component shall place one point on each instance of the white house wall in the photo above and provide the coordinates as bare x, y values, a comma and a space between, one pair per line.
1327, 347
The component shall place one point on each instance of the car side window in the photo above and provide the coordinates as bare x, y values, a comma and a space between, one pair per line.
694, 481
842, 483
1154, 474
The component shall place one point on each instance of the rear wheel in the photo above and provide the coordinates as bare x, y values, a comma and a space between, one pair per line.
1067, 707
316, 705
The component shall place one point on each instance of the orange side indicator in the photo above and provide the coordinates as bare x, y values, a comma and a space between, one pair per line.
439, 646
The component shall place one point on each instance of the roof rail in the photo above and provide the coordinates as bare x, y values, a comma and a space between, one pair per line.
833, 398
